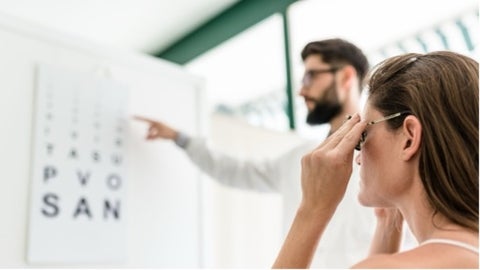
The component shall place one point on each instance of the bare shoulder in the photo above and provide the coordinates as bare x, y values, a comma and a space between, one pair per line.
431, 256
381, 261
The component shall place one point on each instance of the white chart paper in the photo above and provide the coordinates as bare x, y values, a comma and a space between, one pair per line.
78, 177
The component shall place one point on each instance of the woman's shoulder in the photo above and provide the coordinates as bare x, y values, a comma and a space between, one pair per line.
428, 256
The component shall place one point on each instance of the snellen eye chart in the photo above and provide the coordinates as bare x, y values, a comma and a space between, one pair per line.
78, 172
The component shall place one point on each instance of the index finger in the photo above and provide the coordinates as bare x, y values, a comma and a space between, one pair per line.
338, 135
351, 139
144, 119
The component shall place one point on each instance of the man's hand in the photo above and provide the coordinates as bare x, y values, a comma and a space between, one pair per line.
157, 130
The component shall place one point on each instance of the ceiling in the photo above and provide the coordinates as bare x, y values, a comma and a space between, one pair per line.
140, 25
152, 25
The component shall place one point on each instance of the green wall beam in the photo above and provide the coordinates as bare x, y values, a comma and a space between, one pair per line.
290, 110
229, 23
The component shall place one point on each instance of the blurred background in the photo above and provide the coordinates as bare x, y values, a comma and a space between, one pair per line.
248, 54
240, 47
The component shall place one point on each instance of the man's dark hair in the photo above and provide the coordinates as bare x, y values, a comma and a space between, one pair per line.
339, 51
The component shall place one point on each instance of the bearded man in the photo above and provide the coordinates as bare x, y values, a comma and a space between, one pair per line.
332, 83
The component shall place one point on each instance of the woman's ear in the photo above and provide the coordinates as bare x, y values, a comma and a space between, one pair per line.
412, 130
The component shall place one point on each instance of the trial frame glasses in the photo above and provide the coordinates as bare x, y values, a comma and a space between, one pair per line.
388, 117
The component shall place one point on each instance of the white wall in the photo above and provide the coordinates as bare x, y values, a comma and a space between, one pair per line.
163, 196
243, 229
170, 222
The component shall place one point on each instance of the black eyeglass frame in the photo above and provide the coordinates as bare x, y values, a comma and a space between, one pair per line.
388, 117
310, 74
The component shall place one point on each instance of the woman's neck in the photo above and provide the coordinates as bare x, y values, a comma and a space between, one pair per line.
426, 224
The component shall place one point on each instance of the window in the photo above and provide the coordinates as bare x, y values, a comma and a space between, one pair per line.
245, 76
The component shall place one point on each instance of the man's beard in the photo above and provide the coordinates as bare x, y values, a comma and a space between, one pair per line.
326, 108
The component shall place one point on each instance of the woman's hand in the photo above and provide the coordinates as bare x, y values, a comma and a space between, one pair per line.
388, 232
391, 216
327, 169
325, 174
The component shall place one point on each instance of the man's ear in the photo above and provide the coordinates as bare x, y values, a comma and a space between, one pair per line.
412, 131
345, 80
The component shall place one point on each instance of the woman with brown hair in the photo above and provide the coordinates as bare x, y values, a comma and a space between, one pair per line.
418, 154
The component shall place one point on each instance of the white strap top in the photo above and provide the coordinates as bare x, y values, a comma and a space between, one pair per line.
451, 242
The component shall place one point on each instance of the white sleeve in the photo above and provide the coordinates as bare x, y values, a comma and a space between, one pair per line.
245, 174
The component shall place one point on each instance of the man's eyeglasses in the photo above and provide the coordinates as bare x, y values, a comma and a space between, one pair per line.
310, 75
364, 134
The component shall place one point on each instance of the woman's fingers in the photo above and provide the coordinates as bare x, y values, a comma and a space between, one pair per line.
348, 141
333, 140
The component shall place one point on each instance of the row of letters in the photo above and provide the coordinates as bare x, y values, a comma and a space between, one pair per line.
51, 201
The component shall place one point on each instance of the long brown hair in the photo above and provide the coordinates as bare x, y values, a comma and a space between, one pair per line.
441, 90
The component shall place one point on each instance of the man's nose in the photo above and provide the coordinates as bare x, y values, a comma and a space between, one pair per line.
303, 91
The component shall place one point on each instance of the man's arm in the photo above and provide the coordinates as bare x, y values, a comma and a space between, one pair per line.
228, 170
